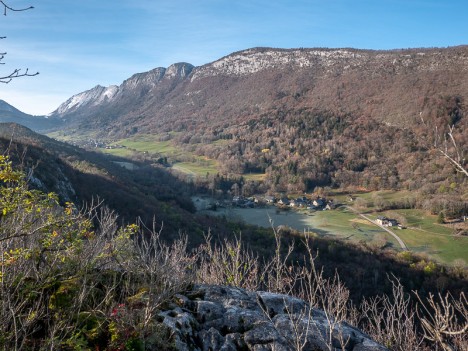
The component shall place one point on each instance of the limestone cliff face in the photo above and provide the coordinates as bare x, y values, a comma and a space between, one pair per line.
228, 319
330, 61
93, 97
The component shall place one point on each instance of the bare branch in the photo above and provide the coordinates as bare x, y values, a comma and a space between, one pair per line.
443, 319
455, 157
17, 72
457, 164
6, 8
450, 149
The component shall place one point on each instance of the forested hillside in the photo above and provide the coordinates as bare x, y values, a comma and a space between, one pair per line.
303, 118
83, 177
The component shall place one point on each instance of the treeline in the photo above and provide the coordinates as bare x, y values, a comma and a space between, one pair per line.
299, 150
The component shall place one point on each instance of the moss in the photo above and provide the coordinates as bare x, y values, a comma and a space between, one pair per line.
94, 328
134, 344
64, 296
161, 339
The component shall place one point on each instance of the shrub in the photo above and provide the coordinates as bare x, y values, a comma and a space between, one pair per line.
62, 277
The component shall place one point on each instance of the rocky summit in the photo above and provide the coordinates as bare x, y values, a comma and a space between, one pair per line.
228, 319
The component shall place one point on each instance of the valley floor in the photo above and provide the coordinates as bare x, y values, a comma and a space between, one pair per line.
422, 235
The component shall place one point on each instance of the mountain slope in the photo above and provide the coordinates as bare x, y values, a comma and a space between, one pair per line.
340, 117
84, 177
9, 113
99, 106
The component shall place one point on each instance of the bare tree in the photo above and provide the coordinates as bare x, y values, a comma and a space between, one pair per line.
391, 319
445, 320
228, 263
456, 157
17, 72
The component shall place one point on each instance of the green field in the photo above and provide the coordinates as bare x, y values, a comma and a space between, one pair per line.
347, 225
70, 136
387, 195
126, 153
147, 143
425, 235
367, 200
339, 223
422, 234
200, 168
256, 177
182, 160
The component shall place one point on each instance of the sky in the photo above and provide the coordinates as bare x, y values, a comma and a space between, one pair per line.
76, 45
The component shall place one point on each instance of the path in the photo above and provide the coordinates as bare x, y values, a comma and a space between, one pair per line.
402, 244
184, 170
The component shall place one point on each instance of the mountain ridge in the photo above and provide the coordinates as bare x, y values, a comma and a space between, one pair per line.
99, 95
334, 61
310, 70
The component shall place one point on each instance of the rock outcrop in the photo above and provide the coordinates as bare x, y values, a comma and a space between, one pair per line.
228, 319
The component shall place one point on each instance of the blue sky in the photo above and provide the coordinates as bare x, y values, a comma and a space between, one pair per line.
76, 45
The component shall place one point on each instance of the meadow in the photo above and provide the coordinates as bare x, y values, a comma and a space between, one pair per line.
422, 234
181, 160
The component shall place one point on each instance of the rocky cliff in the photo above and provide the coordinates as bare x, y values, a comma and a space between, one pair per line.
227, 319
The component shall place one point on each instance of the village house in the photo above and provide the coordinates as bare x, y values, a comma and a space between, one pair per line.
381, 220
386, 222
299, 202
319, 202
243, 202
270, 199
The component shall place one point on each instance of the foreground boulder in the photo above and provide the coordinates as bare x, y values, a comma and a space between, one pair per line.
212, 318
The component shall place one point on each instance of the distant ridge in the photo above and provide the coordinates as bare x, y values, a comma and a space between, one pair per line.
8, 113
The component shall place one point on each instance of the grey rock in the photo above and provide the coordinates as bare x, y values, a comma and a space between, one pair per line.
212, 318
262, 333
211, 339
276, 304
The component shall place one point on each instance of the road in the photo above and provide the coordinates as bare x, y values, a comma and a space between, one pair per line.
402, 244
